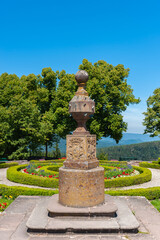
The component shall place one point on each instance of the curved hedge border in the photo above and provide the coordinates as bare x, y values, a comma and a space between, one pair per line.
149, 165
51, 169
14, 174
144, 176
6, 165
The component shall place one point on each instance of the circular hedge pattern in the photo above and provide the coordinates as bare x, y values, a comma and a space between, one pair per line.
15, 174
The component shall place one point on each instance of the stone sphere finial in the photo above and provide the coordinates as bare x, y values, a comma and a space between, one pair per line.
81, 76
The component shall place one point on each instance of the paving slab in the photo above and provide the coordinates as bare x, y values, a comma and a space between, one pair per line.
5, 234
147, 214
137, 204
125, 221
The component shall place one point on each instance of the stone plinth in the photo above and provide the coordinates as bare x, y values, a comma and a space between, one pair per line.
81, 152
81, 188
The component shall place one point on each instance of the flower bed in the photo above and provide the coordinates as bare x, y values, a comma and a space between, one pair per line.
5, 201
37, 170
118, 170
144, 176
14, 174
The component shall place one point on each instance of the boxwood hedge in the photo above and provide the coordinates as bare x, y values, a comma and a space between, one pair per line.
149, 165
149, 193
6, 165
144, 176
16, 191
14, 174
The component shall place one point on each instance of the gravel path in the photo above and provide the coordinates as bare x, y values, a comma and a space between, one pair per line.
155, 181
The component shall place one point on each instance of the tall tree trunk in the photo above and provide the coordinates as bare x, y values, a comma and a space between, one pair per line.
46, 150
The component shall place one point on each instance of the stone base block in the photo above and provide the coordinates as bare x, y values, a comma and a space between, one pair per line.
81, 188
107, 209
84, 165
125, 221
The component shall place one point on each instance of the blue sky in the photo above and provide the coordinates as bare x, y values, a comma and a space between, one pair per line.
59, 34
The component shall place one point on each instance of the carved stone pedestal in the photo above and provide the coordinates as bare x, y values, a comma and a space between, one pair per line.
81, 180
81, 152
81, 188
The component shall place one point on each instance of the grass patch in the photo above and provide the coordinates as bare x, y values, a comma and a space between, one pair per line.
156, 204
5, 201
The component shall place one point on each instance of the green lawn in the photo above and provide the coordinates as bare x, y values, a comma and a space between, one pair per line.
156, 204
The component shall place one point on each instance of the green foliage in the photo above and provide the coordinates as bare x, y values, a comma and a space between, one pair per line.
156, 204
102, 155
149, 165
6, 165
34, 109
149, 193
152, 116
4, 203
142, 151
14, 174
108, 87
16, 191
56, 161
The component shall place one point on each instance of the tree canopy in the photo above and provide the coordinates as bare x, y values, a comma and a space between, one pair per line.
34, 108
152, 116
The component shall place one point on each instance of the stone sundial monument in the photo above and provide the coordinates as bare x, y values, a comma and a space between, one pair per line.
81, 206
81, 179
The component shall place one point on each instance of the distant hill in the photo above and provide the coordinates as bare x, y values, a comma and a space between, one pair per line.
128, 138
141, 151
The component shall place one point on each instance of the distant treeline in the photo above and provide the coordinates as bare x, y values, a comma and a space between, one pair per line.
141, 151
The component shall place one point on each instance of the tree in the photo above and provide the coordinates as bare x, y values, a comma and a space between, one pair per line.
107, 86
19, 118
152, 116
34, 109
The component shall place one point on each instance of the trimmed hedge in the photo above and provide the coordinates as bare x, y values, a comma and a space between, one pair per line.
144, 176
149, 193
16, 191
106, 162
14, 174
48, 161
149, 165
51, 169
6, 165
